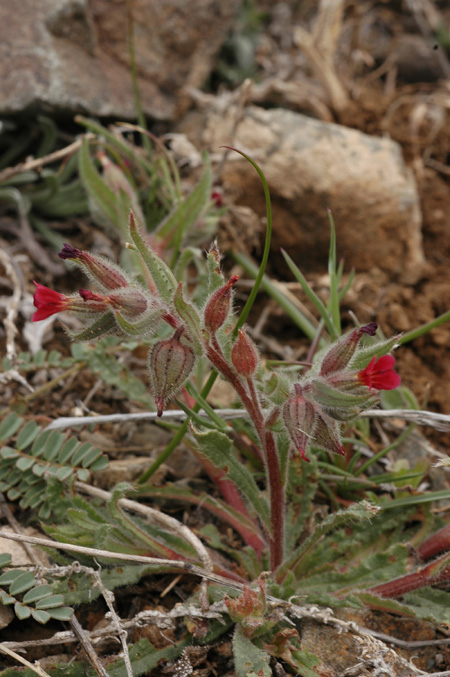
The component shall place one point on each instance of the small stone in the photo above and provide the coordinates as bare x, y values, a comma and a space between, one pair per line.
311, 165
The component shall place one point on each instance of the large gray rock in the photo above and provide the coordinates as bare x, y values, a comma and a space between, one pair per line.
311, 165
73, 54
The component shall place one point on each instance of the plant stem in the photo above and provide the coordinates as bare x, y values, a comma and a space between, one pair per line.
436, 572
248, 395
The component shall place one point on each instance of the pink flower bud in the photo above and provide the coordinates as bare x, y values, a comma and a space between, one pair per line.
218, 306
170, 363
299, 417
244, 355
99, 269
341, 352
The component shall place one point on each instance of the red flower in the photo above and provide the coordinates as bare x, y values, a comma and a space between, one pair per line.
48, 302
380, 374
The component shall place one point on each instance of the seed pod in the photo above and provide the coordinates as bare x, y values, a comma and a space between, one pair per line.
299, 418
244, 355
102, 271
218, 306
170, 363
129, 301
341, 352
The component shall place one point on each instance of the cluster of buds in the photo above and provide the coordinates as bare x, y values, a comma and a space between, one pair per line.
123, 306
335, 392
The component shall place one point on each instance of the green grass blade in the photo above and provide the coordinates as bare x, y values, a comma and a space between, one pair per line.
334, 281
311, 295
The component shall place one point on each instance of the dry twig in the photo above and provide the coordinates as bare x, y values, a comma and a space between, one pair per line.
33, 666
13, 272
420, 417
37, 163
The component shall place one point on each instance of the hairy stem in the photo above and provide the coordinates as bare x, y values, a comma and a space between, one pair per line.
248, 395
436, 572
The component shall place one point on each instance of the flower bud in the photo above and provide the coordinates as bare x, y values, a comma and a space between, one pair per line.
300, 418
218, 306
341, 352
244, 355
100, 270
114, 176
170, 363
129, 301
327, 435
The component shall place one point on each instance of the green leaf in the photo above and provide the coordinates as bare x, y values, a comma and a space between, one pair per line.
190, 318
39, 444
100, 464
162, 275
6, 599
37, 593
62, 613
80, 453
311, 295
23, 582
9, 426
40, 616
5, 559
362, 358
145, 658
217, 447
106, 323
67, 450
50, 602
53, 444
358, 512
25, 463
9, 576
249, 660
92, 456
64, 473
382, 604
185, 215
96, 188
26, 436
7, 452
400, 398
22, 611
430, 603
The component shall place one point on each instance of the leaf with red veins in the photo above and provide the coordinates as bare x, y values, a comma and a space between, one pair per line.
379, 374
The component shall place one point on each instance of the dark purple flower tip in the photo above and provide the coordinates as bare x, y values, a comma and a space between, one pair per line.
69, 252
369, 329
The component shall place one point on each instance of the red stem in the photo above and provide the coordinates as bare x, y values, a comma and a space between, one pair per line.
430, 575
251, 403
231, 494
435, 544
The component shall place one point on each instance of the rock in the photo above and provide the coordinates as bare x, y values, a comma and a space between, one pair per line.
72, 55
311, 165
